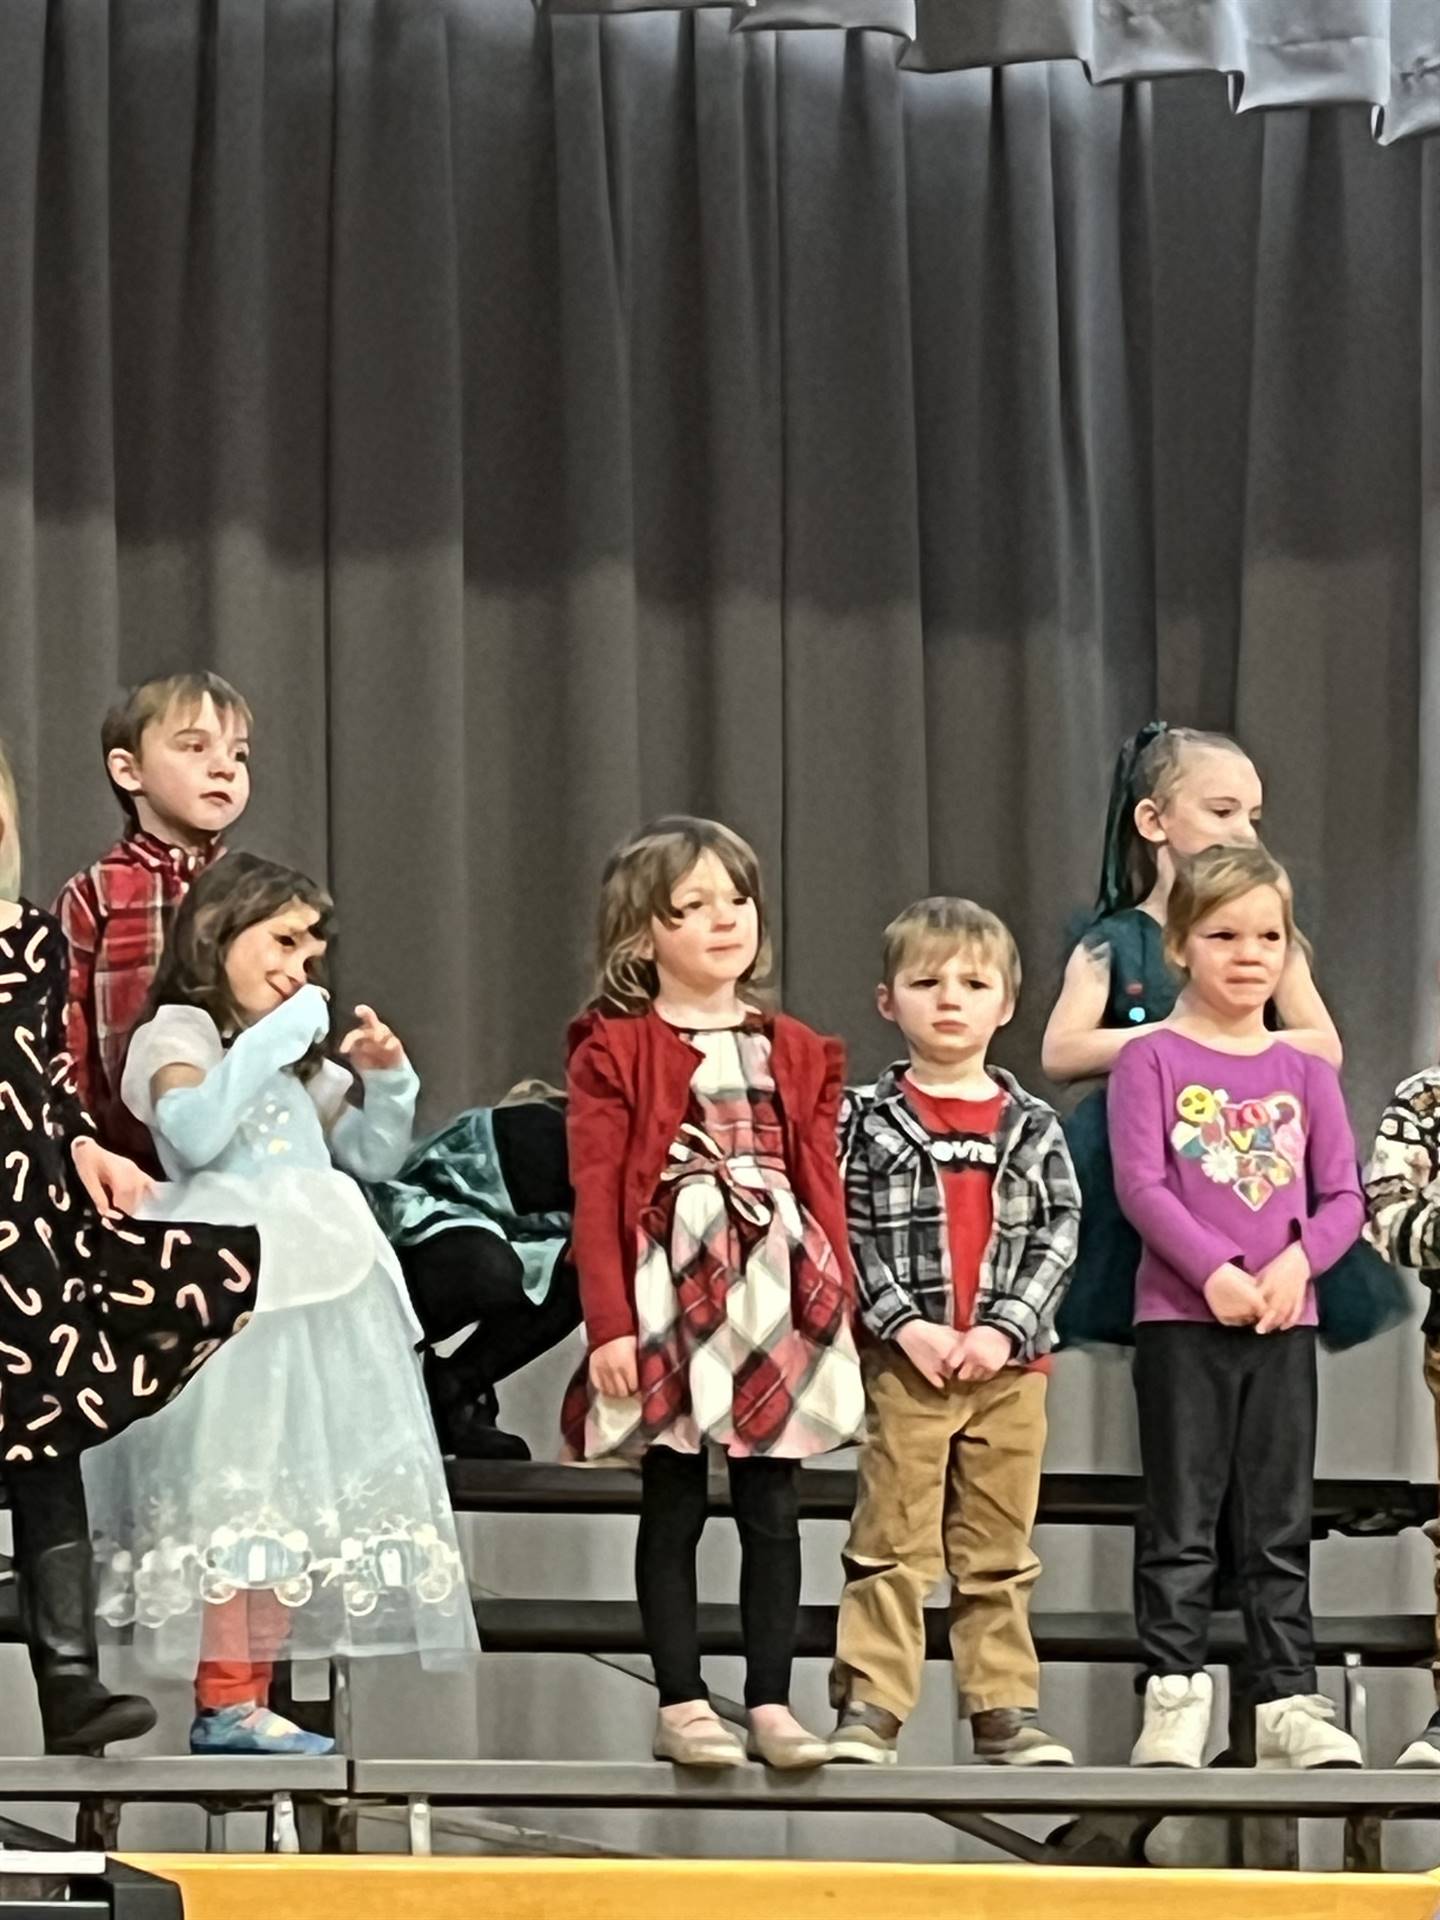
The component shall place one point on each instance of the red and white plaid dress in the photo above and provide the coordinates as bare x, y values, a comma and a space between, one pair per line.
743, 1336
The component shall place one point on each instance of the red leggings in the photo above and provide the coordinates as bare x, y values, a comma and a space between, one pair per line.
239, 1645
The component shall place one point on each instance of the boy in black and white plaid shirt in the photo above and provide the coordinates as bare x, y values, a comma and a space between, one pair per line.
964, 1215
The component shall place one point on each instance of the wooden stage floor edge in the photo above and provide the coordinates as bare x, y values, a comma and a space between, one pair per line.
396, 1887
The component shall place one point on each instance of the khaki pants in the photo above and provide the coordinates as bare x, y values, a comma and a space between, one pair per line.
949, 1482
1432, 1381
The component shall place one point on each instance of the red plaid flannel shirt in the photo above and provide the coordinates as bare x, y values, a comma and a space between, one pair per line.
114, 917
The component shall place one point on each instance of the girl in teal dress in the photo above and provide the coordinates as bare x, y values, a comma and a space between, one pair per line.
1175, 792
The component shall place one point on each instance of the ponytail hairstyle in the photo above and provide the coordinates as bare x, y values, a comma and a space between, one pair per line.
238, 892
1148, 766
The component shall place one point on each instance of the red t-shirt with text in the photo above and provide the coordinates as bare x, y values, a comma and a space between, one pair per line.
968, 1185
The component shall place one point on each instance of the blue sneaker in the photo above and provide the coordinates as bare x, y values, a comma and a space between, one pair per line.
251, 1729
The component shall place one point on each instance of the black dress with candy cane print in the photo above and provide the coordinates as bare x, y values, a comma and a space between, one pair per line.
100, 1324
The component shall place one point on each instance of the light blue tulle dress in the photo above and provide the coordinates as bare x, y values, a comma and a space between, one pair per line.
300, 1466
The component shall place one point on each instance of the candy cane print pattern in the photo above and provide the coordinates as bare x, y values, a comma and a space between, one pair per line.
7, 982
62, 1073
20, 1161
197, 1359
59, 1198
176, 1237
17, 1361
243, 1280
28, 1302
82, 1243
67, 1337
73, 1289
103, 1358
191, 1296
9, 1235
44, 1419
23, 1039
141, 1296
8, 1094
18, 1452
90, 1404
46, 1233
141, 1385
32, 951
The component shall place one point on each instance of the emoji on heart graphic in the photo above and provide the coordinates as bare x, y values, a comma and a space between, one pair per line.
1255, 1147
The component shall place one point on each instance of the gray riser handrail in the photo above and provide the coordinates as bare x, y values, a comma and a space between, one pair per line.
532, 1625
1379, 1507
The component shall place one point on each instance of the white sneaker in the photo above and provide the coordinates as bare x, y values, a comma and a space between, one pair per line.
1177, 1721
1424, 1751
1299, 1731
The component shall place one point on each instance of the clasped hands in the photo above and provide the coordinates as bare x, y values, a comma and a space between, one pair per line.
942, 1354
1270, 1301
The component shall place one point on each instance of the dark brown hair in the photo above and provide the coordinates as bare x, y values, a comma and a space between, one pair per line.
638, 886
240, 891
124, 726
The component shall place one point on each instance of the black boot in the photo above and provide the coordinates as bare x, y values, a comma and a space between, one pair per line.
466, 1413
55, 1573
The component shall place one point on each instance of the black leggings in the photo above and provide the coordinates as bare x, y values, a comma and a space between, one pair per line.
673, 1507
1226, 1410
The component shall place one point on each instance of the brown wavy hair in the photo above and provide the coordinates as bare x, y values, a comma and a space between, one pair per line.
238, 892
638, 886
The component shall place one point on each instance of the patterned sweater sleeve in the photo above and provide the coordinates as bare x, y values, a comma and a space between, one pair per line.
1402, 1181
1027, 1306
79, 912
886, 1303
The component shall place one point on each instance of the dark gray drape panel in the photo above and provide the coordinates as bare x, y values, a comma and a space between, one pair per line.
553, 421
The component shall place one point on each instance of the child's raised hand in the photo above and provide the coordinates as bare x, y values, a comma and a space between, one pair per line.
115, 1185
984, 1352
614, 1370
1282, 1283
371, 1047
297, 1023
1233, 1297
933, 1351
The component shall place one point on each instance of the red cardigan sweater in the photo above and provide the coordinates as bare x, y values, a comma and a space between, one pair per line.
629, 1082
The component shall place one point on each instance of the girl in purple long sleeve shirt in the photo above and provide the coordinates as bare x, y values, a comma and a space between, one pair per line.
1235, 1163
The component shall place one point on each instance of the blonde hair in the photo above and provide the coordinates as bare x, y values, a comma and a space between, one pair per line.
125, 725
9, 831
638, 886
1213, 879
933, 929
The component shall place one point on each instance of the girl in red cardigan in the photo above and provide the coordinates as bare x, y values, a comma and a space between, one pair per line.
713, 1259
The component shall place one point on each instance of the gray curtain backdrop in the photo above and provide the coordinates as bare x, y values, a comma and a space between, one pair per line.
549, 422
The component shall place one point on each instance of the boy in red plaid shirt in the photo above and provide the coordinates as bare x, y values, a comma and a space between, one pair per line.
177, 753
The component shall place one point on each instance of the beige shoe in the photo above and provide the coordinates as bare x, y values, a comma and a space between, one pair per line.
787, 1752
701, 1742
